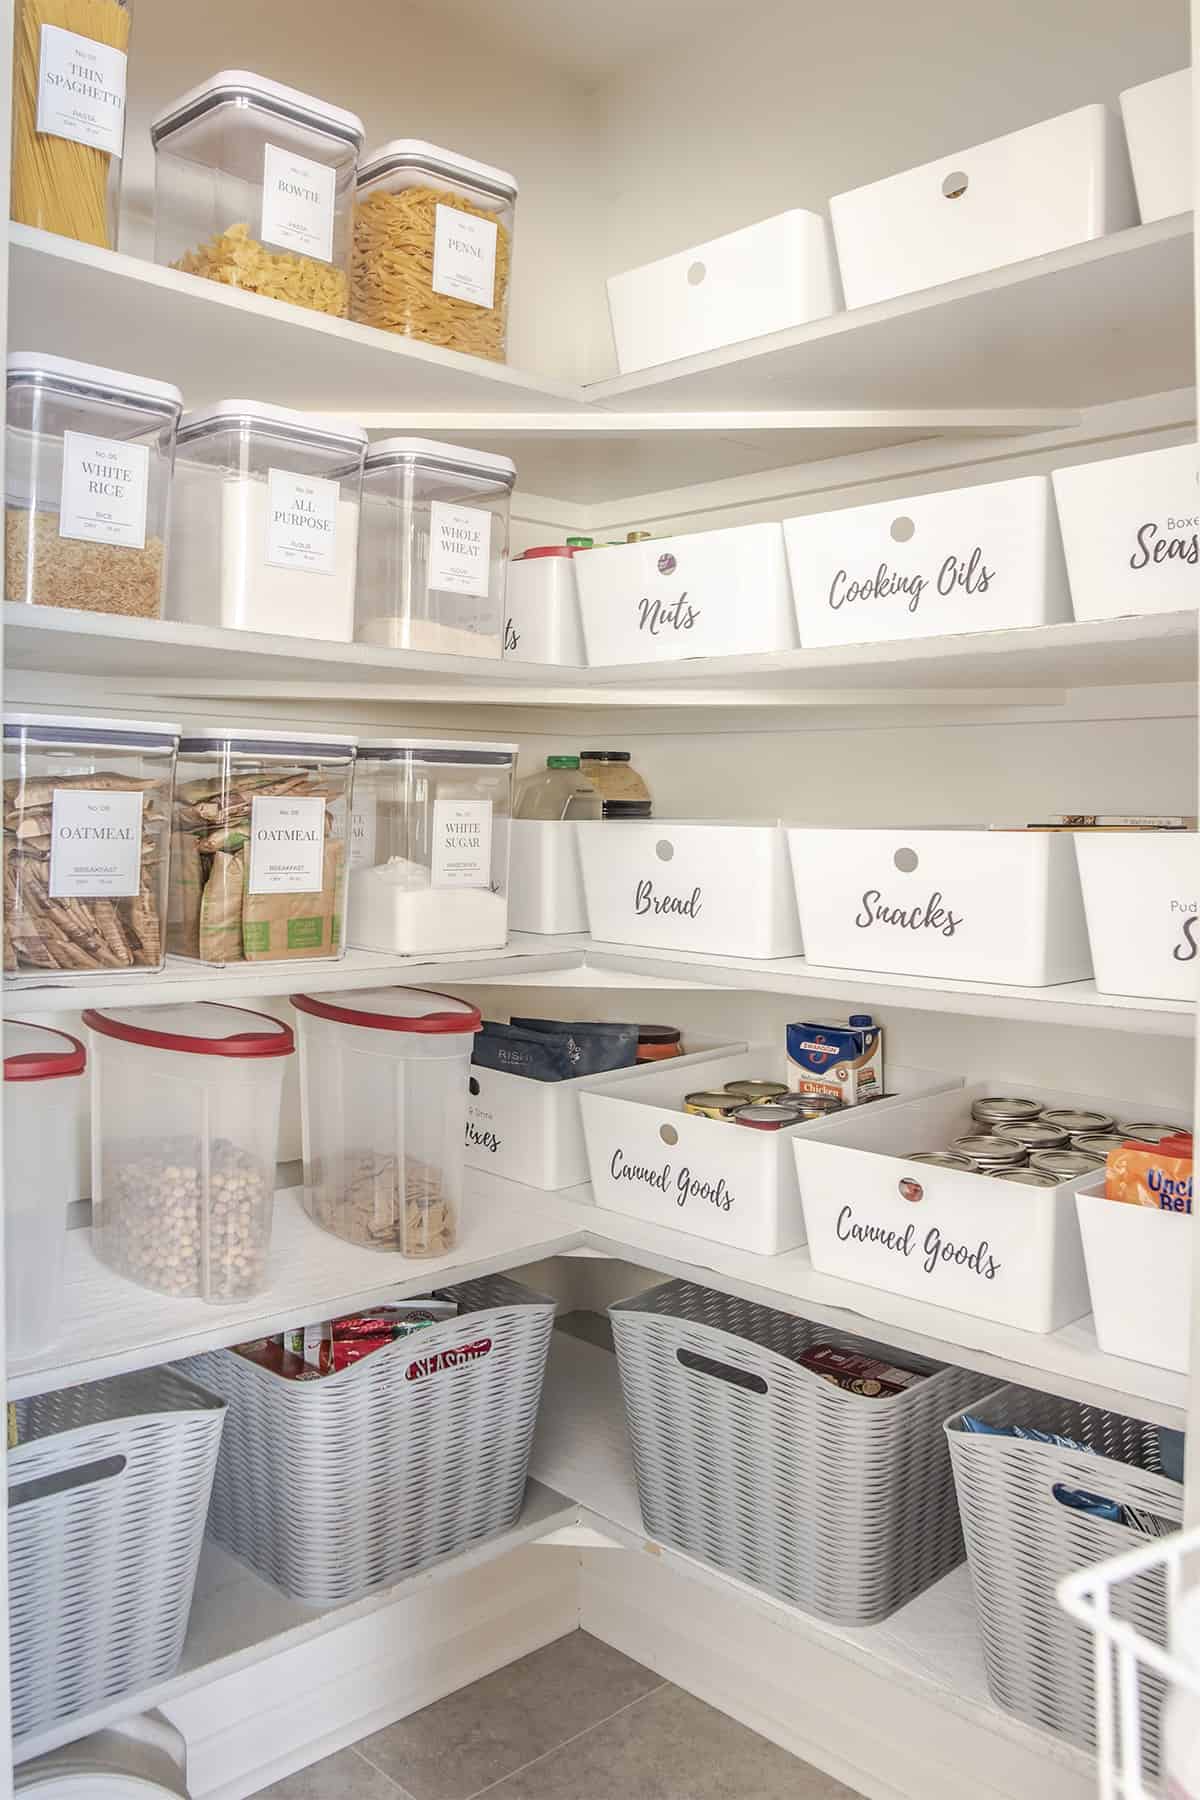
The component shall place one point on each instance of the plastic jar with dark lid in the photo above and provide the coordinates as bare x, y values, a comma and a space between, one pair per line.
658, 1043
621, 787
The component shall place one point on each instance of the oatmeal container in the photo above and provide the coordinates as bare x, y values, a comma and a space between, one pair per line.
432, 547
43, 1078
384, 1092
185, 1137
254, 187
429, 843
265, 520
433, 247
258, 842
87, 485
87, 823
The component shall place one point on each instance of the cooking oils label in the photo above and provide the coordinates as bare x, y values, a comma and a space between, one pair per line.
297, 203
105, 484
464, 256
81, 90
462, 844
460, 545
95, 844
302, 516
287, 845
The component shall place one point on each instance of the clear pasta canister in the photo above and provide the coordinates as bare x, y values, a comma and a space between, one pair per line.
69, 62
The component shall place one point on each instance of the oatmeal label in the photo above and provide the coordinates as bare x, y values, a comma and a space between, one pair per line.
460, 546
287, 845
105, 484
464, 256
297, 203
81, 90
462, 844
302, 515
362, 830
95, 844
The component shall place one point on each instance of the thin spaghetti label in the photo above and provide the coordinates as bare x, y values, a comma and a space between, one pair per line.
81, 90
464, 256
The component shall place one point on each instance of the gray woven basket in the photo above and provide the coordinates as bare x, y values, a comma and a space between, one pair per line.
108, 1491
330, 1488
838, 1503
1021, 1541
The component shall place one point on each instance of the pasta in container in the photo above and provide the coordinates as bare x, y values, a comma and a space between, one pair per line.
432, 257
69, 59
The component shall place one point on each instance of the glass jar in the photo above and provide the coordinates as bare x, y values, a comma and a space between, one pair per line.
87, 820
559, 791
43, 1078
69, 65
254, 187
429, 845
622, 789
432, 546
433, 247
265, 521
258, 865
87, 486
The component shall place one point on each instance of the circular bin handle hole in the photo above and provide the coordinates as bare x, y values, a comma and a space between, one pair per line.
906, 861
697, 273
902, 529
955, 185
668, 1134
664, 849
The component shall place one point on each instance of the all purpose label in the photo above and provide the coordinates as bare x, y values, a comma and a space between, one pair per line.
301, 522
462, 843
95, 844
297, 203
287, 845
460, 547
81, 90
105, 484
464, 256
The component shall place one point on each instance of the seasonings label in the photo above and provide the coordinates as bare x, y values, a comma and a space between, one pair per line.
287, 845
464, 256
81, 90
460, 545
105, 484
302, 515
95, 844
362, 830
297, 203
462, 843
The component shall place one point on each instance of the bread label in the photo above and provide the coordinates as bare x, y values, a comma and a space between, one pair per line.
287, 845
81, 90
105, 483
297, 203
464, 256
95, 844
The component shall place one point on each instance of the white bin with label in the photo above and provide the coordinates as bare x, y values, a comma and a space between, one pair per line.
545, 879
716, 887
977, 559
1027, 194
1139, 1270
541, 608
709, 593
1131, 532
1158, 125
1140, 894
43, 1079
765, 277
965, 904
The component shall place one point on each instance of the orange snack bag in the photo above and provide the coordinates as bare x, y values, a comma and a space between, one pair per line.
1152, 1174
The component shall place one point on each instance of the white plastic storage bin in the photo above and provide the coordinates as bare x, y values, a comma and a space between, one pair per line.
541, 622
651, 1160
1139, 1270
532, 1131
43, 1074
384, 1103
545, 880
108, 1490
969, 905
721, 889
1131, 532
142, 1758
1026, 194
331, 1488
1158, 125
1140, 894
765, 277
185, 1138
977, 559
950, 1237
709, 593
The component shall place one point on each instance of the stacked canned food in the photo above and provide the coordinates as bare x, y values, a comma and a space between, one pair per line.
1036, 1146
762, 1105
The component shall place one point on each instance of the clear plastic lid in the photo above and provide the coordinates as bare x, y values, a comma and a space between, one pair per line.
72, 728
314, 430
395, 1009
268, 743
436, 750
388, 453
30, 368
195, 1028
36, 1053
242, 88
431, 159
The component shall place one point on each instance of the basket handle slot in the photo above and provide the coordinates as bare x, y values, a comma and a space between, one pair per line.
708, 1365
106, 1468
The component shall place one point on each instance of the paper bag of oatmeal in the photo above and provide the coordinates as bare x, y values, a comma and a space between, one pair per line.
278, 926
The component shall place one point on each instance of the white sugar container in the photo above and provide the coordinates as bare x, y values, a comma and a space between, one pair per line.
545, 879
1131, 532
976, 559
765, 277
1140, 893
1139, 1270
541, 616
710, 593
968, 905
1029, 193
1158, 125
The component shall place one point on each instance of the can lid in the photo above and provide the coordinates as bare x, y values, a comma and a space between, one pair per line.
607, 755
396, 1009
768, 1118
416, 153
562, 762
386, 452
195, 1028
568, 549
61, 371
860, 1019
340, 434
580, 543
36, 1053
247, 89
76, 728
659, 1034
274, 742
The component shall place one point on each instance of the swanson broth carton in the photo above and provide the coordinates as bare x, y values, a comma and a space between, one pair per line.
843, 1060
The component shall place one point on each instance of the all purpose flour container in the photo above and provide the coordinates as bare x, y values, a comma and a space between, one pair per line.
43, 1075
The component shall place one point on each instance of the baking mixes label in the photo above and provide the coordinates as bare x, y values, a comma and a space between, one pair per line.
95, 844
479, 1135
462, 844
301, 522
81, 90
362, 830
464, 256
460, 545
966, 574
679, 1185
287, 845
297, 203
105, 484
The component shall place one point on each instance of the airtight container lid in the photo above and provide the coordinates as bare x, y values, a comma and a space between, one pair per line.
63, 373
239, 87
545, 550
415, 153
281, 421
396, 1009
73, 728
269, 743
390, 452
36, 1053
195, 1028
436, 750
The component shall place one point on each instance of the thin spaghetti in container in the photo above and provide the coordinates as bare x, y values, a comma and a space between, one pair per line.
69, 116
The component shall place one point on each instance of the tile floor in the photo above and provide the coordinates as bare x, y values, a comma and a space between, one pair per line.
575, 1721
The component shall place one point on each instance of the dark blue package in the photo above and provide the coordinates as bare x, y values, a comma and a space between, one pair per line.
1170, 1452
594, 1046
1094, 1504
554, 1050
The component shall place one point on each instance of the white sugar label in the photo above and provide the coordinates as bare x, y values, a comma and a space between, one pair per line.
287, 846
460, 545
104, 487
362, 830
297, 203
302, 513
81, 90
462, 843
95, 844
464, 256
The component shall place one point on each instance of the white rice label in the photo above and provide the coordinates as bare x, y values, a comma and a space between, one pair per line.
297, 203
105, 484
302, 515
460, 546
95, 844
287, 845
81, 90
464, 256
462, 844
